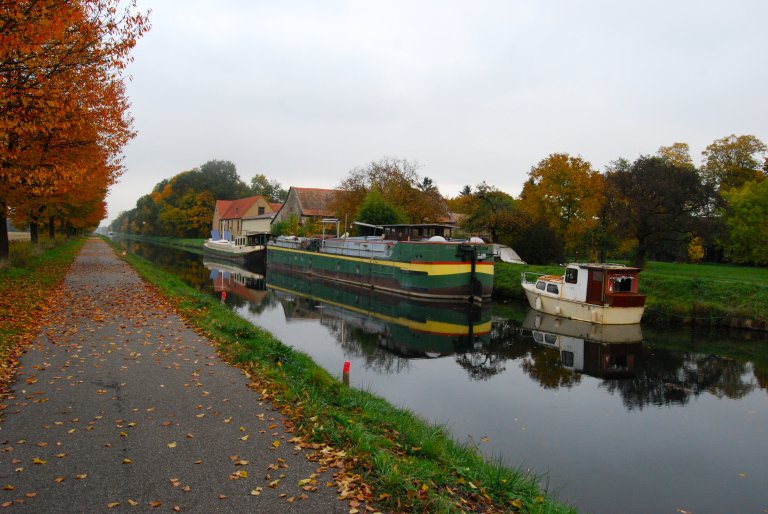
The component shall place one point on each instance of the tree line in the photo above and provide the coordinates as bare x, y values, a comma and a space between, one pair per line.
659, 207
64, 116
183, 205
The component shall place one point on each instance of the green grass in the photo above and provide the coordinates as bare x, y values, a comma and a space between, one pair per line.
709, 294
411, 465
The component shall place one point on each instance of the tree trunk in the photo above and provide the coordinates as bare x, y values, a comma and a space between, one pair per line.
51, 228
4, 247
33, 230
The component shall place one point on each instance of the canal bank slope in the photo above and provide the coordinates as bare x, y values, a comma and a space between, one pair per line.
119, 403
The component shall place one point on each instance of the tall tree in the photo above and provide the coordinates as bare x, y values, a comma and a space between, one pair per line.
658, 205
399, 184
567, 194
732, 161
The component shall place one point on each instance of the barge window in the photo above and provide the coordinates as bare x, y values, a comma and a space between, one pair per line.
540, 285
566, 358
571, 275
552, 288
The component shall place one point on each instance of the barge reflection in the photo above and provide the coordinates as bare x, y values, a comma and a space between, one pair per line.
402, 325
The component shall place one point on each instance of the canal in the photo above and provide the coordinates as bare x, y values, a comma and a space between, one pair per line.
615, 419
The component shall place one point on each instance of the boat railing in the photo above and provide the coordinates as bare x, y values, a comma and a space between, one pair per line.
529, 277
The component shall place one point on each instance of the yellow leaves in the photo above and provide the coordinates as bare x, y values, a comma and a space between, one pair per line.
171, 445
38, 460
256, 492
81, 476
113, 505
517, 503
132, 503
276, 443
273, 484
8, 487
245, 437
237, 475
127, 461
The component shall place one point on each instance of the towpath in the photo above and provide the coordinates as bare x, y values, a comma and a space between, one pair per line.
119, 406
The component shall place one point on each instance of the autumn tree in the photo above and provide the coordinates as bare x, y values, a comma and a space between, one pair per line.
567, 194
678, 154
400, 185
732, 161
61, 93
657, 207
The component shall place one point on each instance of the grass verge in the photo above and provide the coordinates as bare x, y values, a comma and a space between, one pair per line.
26, 281
396, 459
703, 294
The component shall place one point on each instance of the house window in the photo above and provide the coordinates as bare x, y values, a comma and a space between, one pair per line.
261, 210
571, 275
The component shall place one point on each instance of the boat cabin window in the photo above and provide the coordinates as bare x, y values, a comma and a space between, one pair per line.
550, 338
621, 284
552, 288
540, 285
571, 275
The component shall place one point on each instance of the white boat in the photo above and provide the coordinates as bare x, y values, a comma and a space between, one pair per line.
598, 293
245, 249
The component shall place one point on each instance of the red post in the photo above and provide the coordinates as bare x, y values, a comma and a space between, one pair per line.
346, 373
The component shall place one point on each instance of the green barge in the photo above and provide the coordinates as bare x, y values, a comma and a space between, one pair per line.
412, 260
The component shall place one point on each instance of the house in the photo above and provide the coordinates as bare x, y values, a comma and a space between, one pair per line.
246, 215
307, 204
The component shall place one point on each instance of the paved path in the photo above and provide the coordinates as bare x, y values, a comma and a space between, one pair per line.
118, 406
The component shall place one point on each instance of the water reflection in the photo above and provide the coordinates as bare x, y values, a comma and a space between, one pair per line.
382, 328
604, 351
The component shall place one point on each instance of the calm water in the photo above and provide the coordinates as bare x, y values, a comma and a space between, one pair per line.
627, 419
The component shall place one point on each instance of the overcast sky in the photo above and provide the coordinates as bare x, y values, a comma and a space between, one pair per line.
305, 91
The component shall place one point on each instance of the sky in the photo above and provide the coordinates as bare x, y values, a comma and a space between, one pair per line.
306, 91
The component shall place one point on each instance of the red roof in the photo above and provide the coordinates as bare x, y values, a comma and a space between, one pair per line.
235, 209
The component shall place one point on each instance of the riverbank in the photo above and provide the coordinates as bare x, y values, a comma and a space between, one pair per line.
393, 457
700, 294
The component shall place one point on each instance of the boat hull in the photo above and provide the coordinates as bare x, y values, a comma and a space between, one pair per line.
427, 271
247, 255
562, 307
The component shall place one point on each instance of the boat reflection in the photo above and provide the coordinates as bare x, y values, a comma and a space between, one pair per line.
228, 277
402, 325
603, 351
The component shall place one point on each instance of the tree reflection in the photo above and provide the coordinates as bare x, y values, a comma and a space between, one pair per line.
665, 378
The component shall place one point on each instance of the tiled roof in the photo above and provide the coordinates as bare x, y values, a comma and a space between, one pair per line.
315, 202
236, 208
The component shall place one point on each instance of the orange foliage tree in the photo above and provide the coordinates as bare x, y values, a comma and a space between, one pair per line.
63, 109
567, 194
